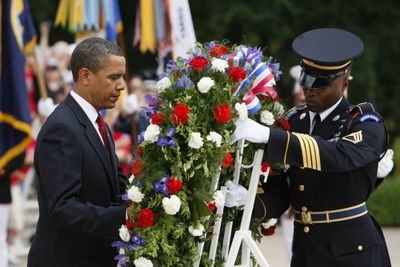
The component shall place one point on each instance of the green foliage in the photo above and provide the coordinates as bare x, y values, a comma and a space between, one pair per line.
384, 203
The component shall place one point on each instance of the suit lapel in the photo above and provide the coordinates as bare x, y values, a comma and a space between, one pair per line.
94, 139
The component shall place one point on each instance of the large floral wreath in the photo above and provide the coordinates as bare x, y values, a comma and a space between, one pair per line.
186, 148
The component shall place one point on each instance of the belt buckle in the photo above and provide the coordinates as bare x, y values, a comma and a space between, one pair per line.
306, 217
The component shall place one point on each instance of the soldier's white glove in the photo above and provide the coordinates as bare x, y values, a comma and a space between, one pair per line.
236, 195
46, 106
251, 131
130, 104
385, 165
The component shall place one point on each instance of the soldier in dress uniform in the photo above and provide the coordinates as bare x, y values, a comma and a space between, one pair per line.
333, 149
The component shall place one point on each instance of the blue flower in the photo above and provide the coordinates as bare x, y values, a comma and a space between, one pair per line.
140, 138
167, 140
210, 45
125, 197
183, 82
121, 258
161, 185
137, 241
172, 65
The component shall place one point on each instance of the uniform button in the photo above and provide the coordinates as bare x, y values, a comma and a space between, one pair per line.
304, 209
360, 248
301, 187
306, 229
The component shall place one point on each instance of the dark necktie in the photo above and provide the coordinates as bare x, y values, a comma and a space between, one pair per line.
316, 123
103, 132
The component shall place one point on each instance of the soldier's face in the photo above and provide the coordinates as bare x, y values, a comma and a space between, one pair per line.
320, 99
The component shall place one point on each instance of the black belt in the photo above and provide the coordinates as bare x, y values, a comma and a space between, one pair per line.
330, 216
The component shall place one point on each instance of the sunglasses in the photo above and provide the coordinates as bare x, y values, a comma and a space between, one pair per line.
315, 81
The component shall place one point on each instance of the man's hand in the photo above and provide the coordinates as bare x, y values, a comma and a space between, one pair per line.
385, 165
251, 131
235, 196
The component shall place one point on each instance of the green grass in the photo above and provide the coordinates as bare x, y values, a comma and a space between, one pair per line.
384, 203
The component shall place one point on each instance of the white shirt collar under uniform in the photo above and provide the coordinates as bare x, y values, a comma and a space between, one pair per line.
89, 110
324, 113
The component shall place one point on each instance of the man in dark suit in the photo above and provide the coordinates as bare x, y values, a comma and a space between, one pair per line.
79, 181
333, 150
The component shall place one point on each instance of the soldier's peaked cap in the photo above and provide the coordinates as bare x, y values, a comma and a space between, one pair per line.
327, 50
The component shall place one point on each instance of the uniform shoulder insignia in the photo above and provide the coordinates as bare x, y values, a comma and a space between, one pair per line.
301, 107
293, 111
369, 117
354, 138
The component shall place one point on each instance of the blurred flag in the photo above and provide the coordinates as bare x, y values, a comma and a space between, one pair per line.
90, 17
182, 31
166, 25
17, 37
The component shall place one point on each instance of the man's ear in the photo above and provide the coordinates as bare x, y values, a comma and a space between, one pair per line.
85, 76
346, 81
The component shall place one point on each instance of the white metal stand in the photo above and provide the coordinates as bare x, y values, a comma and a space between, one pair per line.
243, 235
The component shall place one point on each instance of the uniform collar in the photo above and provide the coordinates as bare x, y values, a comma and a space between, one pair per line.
324, 113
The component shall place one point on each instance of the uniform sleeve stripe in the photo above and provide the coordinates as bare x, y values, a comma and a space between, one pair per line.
317, 155
303, 152
311, 152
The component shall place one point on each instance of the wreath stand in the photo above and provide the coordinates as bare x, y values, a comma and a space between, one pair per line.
243, 235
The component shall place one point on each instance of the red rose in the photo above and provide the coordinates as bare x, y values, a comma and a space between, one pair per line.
269, 231
222, 113
174, 185
211, 206
180, 114
198, 63
265, 166
227, 161
139, 152
218, 50
130, 224
146, 218
237, 74
283, 123
157, 119
137, 168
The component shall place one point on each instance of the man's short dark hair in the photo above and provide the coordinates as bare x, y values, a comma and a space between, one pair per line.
92, 54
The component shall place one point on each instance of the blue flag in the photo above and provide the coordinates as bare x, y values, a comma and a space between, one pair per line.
17, 37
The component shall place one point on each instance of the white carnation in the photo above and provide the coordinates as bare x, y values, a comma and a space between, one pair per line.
215, 137
135, 195
142, 262
219, 198
218, 64
124, 233
151, 133
198, 231
267, 117
242, 110
163, 84
171, 205
195, 140
205, 84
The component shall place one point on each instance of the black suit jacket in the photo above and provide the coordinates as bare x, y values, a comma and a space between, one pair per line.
79, 191
334, 168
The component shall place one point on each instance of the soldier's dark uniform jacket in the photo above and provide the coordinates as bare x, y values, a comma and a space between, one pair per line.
332, 173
